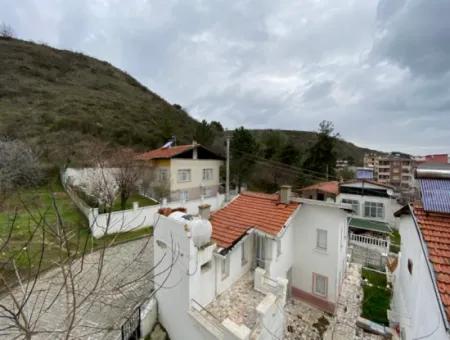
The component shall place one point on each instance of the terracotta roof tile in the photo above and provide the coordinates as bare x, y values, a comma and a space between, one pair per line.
331, 187
250, 210
164, 152
435, 228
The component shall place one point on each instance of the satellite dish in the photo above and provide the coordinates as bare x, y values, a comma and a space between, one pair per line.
390, 192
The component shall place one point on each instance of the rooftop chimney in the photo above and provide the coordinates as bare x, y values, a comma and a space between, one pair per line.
285, 194
194, 151
204, 211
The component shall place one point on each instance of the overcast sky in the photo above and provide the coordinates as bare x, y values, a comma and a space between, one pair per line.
380, 70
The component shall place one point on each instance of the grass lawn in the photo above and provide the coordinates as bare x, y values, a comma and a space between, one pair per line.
143, 202
376, 297
375, 278
32, 217
395, 241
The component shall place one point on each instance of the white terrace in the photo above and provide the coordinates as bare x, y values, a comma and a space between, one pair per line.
252, 307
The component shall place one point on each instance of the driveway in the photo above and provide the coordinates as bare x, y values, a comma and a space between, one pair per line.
123, 283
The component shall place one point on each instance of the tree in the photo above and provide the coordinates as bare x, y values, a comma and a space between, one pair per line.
6, 31
59, 279
289, 154
243, 146
204, 134
321, 160
126, 174
273, 141
19, 166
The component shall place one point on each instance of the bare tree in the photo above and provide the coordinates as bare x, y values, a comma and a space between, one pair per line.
153, 184
6, 31
19, 166
61, 303
127, 174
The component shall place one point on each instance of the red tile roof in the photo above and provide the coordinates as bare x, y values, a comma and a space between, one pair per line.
164, 152
435, 228
331, 187
250, 210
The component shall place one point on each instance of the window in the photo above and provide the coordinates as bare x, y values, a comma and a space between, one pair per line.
278, 247
243, 254
207, 174
206, 192
163, 175
225, 267
373, 209
320, 285
354, 203
184, 175
321, 242
184, 195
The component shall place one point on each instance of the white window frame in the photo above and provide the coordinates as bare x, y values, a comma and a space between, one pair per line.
207, 174
225, 267
355, 205
320, 244
163, 174
184, 195
184, 175
317, 278
373, 209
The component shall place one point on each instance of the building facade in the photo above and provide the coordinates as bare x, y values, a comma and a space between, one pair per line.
184, 172
420, 307
289, 247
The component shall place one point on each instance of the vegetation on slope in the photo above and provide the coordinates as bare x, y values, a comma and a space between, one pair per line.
55, 99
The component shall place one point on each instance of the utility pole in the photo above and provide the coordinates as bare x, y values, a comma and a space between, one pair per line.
227, 184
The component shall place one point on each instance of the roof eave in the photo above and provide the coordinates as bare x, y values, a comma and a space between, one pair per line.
430, 269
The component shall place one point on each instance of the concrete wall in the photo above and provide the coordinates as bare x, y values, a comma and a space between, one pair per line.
236, 267
390, 206
414, 300
309, 260
140, 217
194, 185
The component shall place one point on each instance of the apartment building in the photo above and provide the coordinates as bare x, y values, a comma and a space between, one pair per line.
189, 171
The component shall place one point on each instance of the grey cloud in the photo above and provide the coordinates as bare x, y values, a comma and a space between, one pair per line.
379, 70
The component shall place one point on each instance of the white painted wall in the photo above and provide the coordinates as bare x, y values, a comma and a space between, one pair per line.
390, 206
414, 298
307, 259
133, 219
236, 267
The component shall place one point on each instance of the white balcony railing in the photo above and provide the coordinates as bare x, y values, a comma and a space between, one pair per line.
365, 240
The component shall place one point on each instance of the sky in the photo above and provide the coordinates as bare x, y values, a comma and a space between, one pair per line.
380, 70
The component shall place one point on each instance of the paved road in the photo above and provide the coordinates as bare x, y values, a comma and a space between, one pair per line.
124, 283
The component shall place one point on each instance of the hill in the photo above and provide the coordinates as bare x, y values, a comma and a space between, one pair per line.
57, 98
304, 139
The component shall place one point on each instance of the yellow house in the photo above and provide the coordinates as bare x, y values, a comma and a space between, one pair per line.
190, 171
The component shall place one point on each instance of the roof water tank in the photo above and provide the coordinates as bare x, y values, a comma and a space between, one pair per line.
201, 231
179, 216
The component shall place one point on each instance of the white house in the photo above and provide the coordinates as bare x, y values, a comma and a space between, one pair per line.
190, 171
369, 199
286, 246
420, 308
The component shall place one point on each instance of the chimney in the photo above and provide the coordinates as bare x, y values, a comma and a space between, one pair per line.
285, 194
204, 211
194, 151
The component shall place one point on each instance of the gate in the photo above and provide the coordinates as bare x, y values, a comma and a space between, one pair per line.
131, 329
